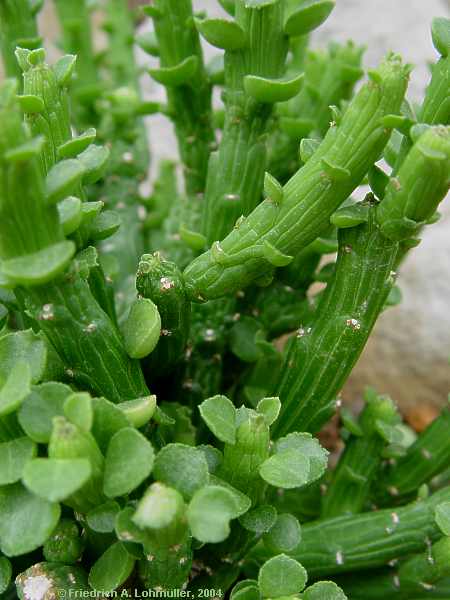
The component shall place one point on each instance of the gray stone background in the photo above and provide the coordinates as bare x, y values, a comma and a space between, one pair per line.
407, 356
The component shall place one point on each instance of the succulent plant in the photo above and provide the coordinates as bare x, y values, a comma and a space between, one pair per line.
155, 434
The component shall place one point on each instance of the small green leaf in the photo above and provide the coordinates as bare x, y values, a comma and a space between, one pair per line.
335, 172
220, 415
22, 346
270, 409
442, 517
41, 266
159, 507
30, 103
111, 569
14, 455
308, 16
70, 214
349, 216
273, 188
26, 521
243, 339
182, 467
39, 407
76, 145
272, 90
78, 410
129, 461
102, 518
308, 147
5, 574
94, 161
209, 514
281, 576
221, 33
104, 225
56, 479
309, 447
243, 502
246, 590
63, 179
108, 419
260, 519
324, 590
64, 69
274, 256
16, 388
181, 74
440, 31
285, 535
288, 469
138, 411
192, 239
142, 328
350, 422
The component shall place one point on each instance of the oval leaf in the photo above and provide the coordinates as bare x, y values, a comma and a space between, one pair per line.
26, 520
182, 467
40, 267
142, 329
221, 33
129, 461
442, 517
269, 91
324, 590
14, 455
288, 469
209, 514
308, 17
285, 535
220, 415
111, 569
181, 74
56, 479
281, 576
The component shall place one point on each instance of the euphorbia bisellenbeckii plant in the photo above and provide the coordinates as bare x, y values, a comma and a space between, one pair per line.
156, 437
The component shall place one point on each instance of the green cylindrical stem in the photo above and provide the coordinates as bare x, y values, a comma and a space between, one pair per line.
349, 489
162, 282
421, 576
427, 457
368, 540
330, 78
283, 226
420, 185
236, 172
17, 28
74, 17
241, 461
325, 350
53, 121
85, 338
189, 104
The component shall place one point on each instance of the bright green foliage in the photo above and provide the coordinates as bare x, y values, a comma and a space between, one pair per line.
214, 480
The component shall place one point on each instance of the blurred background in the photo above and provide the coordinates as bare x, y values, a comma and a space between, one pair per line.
407, 356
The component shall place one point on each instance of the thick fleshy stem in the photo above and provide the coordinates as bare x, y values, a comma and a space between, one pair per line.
368, 540
427, 457
162, 282
293, 216
326, 349
188, 88
351, 481
17, 28
421, 576
329, 80
324, 353
75, 19
256, 47
35, 261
